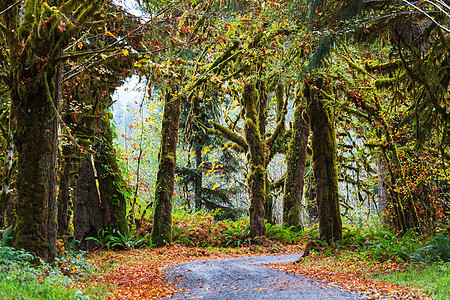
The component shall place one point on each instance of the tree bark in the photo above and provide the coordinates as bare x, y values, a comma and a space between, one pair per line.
88, 216
262, 119
324, 159
382, 192
6, 195
296, 162
257, 170
36, 139
64, 195
165, 178
198, 182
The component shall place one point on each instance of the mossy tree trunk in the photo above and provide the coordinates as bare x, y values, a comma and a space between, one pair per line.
165, 178
257, 170
324, 159
111, 184
311, 202
296, 162
36, 139
64, 194
37, 33
262, 119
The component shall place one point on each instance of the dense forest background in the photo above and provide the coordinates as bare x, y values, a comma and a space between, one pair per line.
288, 113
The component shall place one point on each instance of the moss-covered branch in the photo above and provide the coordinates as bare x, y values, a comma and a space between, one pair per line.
225, 132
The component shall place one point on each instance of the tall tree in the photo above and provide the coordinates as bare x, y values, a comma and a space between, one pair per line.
296, 163
324, 158
36, 33
165, 180
257, 164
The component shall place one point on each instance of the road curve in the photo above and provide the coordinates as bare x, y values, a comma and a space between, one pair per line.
247, 278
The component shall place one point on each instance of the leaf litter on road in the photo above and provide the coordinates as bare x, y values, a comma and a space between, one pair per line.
139, 273
353, 274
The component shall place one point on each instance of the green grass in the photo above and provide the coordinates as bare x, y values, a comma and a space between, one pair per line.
23, 284
20, 279
432, 278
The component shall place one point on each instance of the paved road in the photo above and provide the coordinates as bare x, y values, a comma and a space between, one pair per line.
245, 278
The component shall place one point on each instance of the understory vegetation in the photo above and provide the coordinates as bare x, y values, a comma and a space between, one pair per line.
371, 253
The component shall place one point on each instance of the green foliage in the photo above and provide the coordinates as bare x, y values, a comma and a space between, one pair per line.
9, 255
103, 239
20, 279
118, 240
386, 245
353, 239
437, 249
282, 235
433, 278
7, 237
237, 235
383, 245
128, 241
203, 229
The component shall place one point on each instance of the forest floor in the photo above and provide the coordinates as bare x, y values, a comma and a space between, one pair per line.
142, 273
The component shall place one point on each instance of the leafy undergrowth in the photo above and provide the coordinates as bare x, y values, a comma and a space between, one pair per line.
139, 273
354, 273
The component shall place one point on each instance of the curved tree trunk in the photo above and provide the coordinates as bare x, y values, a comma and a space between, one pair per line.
324, 159
296, 162
165, 179
257, 170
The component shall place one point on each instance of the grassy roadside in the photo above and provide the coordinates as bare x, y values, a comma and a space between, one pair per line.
433, 278
22, 279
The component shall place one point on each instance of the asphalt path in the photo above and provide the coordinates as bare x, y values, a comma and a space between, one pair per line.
248, 278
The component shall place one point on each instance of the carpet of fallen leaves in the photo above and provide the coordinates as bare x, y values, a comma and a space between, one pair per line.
351, 273
139, 273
